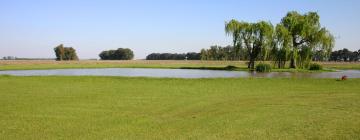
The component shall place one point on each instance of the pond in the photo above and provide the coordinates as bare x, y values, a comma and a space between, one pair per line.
178, 73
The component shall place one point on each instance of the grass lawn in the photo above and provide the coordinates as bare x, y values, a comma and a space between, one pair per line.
160, 108
342, 65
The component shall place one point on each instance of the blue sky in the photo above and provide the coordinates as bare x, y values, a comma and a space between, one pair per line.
32, 28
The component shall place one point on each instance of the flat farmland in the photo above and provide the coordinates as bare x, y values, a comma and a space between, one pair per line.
51, 64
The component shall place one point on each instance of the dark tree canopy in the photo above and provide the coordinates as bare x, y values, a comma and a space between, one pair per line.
223, 53
65, 53
345, 55
174, 56
119, 54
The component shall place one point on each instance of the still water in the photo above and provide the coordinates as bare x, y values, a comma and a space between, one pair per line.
178, 73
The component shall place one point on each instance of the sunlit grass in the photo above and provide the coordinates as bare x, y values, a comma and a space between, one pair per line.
160, 108
18, 65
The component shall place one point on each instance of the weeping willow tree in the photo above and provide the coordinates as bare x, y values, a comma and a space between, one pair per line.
264, 35
306, 35
232, 28
281, 46
255, 37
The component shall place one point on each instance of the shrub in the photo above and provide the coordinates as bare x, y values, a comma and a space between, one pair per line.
263, 67
315, 66
230, 67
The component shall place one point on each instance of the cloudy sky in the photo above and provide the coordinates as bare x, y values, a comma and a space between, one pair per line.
32, 28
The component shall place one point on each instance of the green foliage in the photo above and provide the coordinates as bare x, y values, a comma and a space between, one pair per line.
230, 67
315, 66
232, 28
174, 56
65, 53
119, 54
255, 37
219, 53
345, 55
263, 67
307, 36
281, 46
298, 38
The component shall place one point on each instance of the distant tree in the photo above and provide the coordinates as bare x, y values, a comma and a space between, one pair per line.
203, 54
104, 55
10, 58
174, 56
59, 52
124, 54
319, 55
222, 53
119, 54
70, 54
193, 56
345, 55
213, 53
65, 53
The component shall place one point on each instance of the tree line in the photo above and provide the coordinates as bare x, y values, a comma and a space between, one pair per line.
345, 55
174, 56
215, 52
298, 39
223, 53
227, 54
294, 39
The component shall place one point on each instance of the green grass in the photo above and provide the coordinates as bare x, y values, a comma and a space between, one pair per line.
172, 64
58, 107
343, 65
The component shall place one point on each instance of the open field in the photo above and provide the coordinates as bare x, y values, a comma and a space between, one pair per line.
341, 65
155, 108
49, 64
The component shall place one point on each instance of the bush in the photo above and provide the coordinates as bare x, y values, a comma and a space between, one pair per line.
315, 66
263, 67
230, 67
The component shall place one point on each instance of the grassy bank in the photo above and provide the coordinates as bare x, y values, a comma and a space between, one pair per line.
151, 108
214, 65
